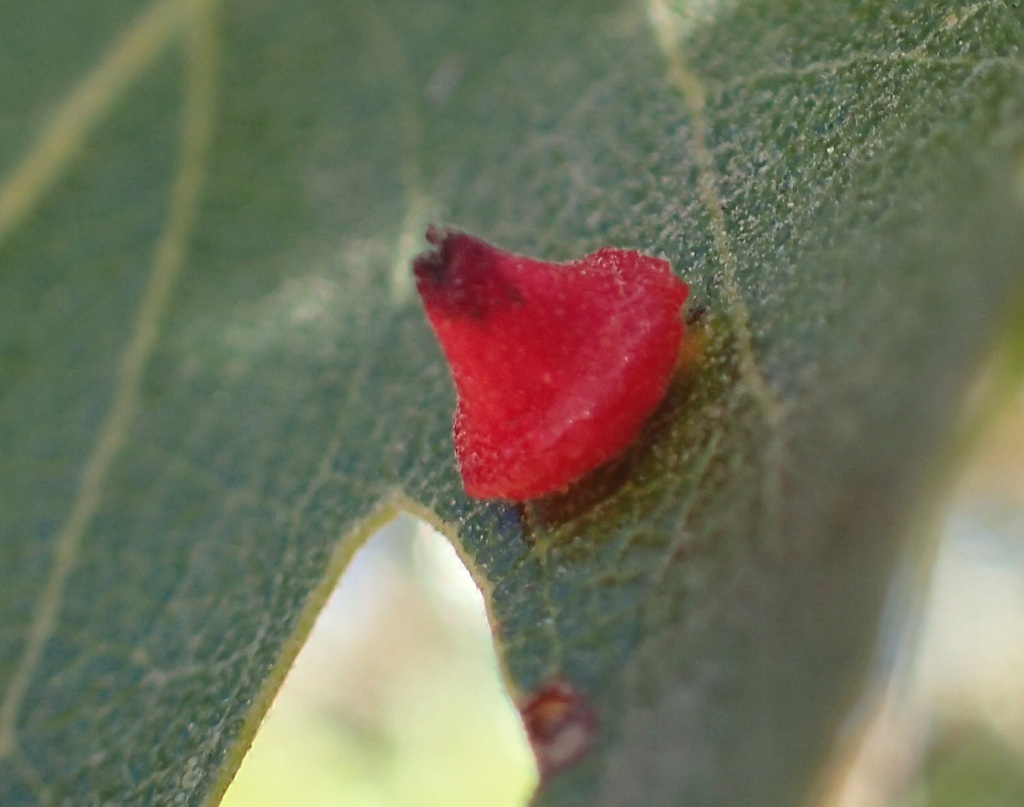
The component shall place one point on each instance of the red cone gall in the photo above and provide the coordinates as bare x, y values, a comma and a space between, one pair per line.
557, 366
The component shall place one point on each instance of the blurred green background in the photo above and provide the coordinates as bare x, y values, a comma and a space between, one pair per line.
397, 700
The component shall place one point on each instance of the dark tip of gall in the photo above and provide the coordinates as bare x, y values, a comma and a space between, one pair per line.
428, 267
436, 234
432, 265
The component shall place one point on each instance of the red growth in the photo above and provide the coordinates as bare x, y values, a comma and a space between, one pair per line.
560, 726
557, 366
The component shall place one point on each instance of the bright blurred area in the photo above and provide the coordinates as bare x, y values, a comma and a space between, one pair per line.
950, 729
396, 698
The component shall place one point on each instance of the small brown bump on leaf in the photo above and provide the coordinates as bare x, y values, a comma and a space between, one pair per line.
561, 726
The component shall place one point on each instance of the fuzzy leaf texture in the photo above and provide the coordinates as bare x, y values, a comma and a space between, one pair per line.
215, 374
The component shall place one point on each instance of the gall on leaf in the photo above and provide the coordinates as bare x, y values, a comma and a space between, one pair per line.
557, 366
560, 725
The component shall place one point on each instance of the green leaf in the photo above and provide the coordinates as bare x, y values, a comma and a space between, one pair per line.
215, 378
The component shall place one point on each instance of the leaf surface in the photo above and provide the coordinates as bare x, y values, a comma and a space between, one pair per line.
215, 377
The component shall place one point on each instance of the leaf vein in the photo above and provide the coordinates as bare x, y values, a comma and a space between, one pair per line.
86, 108
830, 67
692, 91
167, 264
